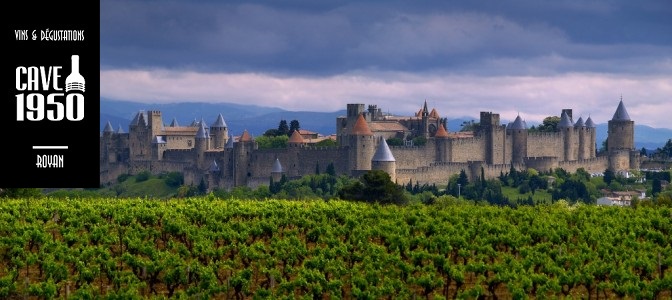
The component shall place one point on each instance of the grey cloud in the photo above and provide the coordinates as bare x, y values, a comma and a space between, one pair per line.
335, 37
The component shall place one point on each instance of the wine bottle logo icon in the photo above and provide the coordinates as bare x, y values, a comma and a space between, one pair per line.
74, 81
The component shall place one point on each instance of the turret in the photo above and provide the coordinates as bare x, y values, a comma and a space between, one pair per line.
580, 128
242, 155
494, 135
362, 145
621, 141
567, 131
277, 171
219, 132
518, 132
139, 137
201, 144
384, 160
442, 142
592, 137
621, 134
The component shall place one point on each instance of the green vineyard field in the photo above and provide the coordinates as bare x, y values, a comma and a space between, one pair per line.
208, 248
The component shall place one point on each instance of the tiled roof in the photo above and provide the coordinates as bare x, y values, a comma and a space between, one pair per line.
245, 137
296, 138
441, 132
361, 128
386, 126
434, 113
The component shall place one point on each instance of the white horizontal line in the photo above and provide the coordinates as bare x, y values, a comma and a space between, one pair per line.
50, 147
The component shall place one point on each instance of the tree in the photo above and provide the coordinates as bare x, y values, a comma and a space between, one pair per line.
326, 143
374, 186
656, 187
272, 142
549, 124
331, 170
293, 125
283, 128
469, 126
20, 193
395, 142
419, 141
666, 151
609, 175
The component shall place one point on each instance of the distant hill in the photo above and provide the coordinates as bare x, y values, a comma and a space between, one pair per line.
255, 119
258, 119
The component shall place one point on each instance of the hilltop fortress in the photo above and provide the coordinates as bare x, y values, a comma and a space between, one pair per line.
210, 153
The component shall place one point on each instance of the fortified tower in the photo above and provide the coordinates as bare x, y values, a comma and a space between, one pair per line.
201, 145
621, 141
139, 138
518, 132
219, 132
567, 132
384, 160
494, 136
362, 146
443, 150
592, 138
106, 143
344, 125
621, 130
242, 155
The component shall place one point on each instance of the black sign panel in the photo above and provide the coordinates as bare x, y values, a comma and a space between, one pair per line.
50, 113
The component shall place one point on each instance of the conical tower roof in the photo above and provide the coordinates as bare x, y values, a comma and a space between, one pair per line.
214, 167
296, 138
108, 127
579, 123
174, 123
621, 114
565, 122
361, 128
139, 119
277, 167
201, 133
229, 143
245, 137
383, 152
219, 123
120, 130
589, 123
518, 124
441, 132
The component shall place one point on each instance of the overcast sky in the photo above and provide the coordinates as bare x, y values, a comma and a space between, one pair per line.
526, 57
